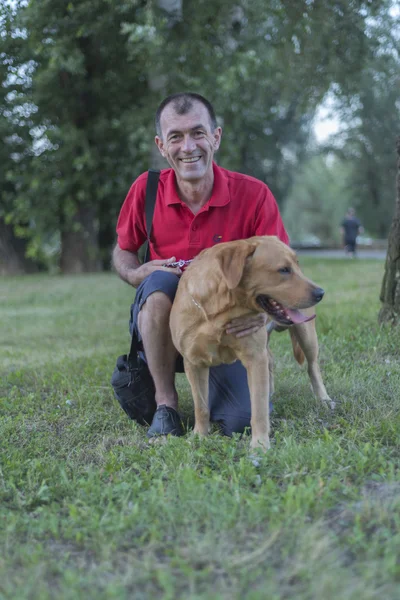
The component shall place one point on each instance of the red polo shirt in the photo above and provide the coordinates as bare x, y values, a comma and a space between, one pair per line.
240, 207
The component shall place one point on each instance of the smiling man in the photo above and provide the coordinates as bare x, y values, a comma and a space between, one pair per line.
188, 141
198, 204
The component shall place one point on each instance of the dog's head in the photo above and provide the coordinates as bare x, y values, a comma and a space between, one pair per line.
265, 274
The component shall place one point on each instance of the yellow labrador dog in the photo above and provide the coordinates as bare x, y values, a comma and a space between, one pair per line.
229, 280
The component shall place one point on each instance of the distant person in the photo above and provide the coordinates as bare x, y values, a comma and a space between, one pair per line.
350, 229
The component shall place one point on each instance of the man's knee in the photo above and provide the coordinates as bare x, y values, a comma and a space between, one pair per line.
155, 310
158, 303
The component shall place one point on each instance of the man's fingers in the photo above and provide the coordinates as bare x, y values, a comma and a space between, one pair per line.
247, 325
163, 261
159, 265
247, 332
174, 270
244, 330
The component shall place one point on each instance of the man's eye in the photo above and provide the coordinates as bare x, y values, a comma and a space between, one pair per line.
285, 270
199, 133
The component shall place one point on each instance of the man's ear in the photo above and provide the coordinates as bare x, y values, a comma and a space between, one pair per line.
217, 137
160, 145
232, 260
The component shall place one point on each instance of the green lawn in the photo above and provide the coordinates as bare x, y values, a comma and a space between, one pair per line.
89, 510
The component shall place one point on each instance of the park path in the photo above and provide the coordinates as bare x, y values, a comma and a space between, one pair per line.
361, 254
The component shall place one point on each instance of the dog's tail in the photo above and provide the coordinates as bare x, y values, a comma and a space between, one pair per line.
297, 351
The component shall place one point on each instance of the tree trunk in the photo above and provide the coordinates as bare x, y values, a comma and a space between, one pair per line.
12, 253
390, 292
80, 245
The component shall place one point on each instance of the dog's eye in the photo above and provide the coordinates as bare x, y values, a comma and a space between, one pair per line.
285, 271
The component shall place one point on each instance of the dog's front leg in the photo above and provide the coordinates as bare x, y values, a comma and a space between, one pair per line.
198, 379
306, 335
258, 380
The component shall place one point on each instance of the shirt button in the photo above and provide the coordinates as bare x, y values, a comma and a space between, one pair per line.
194, 227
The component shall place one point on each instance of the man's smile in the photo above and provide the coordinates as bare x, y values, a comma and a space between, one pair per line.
190, 160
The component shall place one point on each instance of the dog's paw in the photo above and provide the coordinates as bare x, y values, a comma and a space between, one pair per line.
201, 431
261, 445
329, 403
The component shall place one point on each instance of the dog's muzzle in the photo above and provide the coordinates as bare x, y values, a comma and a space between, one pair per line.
285, 316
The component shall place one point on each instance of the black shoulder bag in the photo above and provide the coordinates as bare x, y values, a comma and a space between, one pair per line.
132, 382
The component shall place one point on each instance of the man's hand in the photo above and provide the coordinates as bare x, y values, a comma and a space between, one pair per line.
140, 273
130, 269
247, 324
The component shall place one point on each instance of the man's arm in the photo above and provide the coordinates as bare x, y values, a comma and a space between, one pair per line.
130, 269
126, 265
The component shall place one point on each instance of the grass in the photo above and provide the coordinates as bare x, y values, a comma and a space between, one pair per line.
89, 510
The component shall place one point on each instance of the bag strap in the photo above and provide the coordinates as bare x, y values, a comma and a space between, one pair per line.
150, 202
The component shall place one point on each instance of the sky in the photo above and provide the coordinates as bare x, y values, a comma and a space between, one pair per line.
323, 128
325, 122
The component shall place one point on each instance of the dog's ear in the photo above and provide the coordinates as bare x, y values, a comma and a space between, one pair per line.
232, 261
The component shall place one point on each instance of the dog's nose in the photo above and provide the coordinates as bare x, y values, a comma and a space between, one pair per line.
318, 294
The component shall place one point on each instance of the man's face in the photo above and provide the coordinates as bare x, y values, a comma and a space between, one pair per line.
187, 142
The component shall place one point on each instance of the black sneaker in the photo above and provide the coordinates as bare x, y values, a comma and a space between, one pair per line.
166, 421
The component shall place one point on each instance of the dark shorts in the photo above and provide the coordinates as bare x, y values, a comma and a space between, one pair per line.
229, 396
350, 245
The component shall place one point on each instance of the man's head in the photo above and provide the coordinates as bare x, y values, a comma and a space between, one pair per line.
351, 212
182, 104
187, 135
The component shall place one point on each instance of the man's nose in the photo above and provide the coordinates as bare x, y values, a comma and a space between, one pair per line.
188, 144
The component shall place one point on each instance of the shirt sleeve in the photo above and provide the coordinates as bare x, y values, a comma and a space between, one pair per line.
268, 219
131, 228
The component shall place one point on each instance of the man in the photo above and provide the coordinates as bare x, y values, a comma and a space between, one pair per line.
350, 229
198, 204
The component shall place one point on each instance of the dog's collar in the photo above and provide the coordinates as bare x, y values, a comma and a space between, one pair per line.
196, 303
200, 307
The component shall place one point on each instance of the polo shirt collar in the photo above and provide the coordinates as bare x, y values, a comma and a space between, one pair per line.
220, 193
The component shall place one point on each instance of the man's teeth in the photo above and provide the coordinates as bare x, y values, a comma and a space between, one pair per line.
190, 160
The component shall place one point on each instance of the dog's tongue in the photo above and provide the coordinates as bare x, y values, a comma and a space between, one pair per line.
297, 317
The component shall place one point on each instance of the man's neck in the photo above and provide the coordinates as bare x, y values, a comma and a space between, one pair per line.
195, 194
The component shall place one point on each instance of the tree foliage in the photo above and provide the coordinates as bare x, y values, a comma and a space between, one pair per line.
266, 66
84, 86
82, 81
371, 115
15, 144
318, 200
